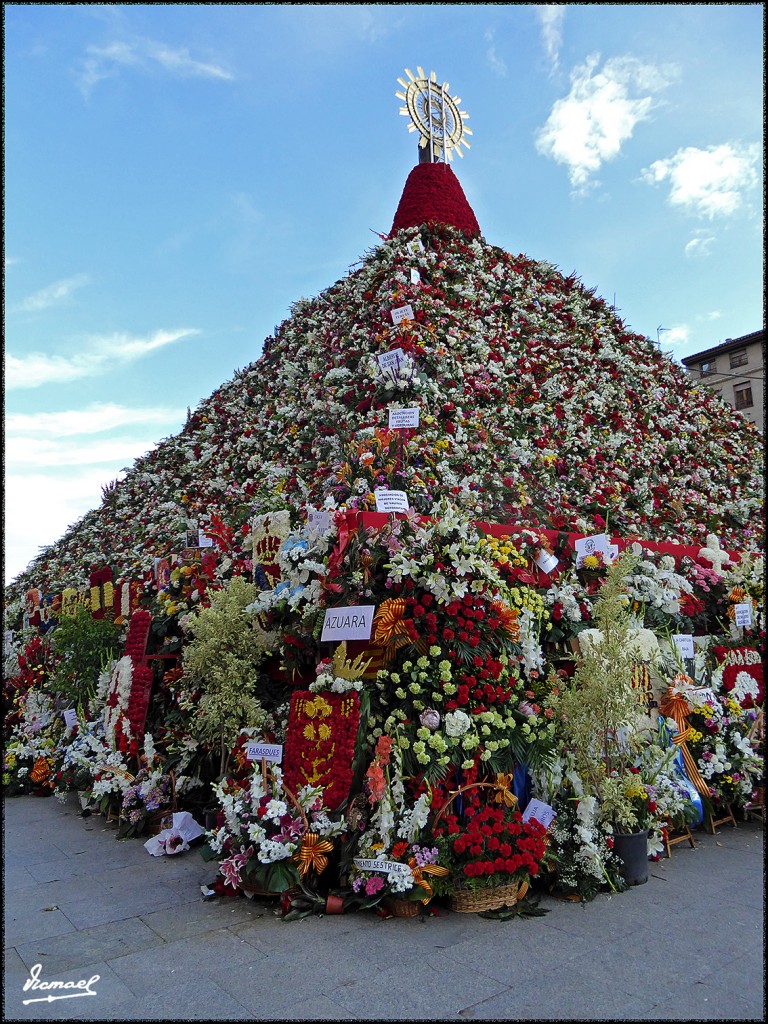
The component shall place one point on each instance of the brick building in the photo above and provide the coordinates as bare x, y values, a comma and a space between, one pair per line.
735, 370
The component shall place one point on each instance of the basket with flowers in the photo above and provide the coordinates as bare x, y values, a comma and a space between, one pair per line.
491, 855
392, 865
148, 804
720, 744
269, 839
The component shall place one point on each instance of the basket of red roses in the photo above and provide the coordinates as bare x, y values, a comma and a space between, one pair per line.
491, 855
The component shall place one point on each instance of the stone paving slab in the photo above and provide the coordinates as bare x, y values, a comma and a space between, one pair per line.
688, 945
88, 945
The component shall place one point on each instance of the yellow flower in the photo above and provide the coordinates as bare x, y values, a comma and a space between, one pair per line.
635, 788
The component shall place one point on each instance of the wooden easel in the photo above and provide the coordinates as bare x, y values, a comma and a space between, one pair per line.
756, 809
679, 837
756, 737
713, 822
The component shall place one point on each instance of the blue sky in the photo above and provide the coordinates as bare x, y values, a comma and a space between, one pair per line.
177, 175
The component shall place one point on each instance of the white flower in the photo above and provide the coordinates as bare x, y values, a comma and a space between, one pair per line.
585, 810
745, 685
271, 851
644, 645
256, 833
275, 809
457, 723
401, 880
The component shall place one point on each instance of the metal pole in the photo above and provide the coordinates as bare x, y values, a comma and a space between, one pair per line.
442, 112
429, 121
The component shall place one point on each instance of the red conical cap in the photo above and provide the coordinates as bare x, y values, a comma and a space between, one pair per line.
433, 193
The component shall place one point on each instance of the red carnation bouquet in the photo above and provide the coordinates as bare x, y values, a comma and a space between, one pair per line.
495, 847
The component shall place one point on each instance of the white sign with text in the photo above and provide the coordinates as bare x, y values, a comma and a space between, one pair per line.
595, 545
743, 613
391, 501
70, 718
318, 521
546, 562
400, 419
348, 623
542, 812
401, 313
684, 644
387, 866
255, 751
390, 360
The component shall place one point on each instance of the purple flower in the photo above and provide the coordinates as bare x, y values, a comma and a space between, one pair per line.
430, 719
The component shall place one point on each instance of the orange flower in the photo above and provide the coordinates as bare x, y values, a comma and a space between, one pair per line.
376, 782
507, 618
384, 749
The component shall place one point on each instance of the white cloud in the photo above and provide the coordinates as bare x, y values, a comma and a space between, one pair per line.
700, 245
708, 182
496, 63
675, 335
39, 508
599, 114
94, 419
52, 293
21, 452
51, 480
551, 17
143, 55
99, 355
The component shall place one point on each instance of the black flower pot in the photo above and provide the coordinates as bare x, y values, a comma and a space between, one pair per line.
632, 851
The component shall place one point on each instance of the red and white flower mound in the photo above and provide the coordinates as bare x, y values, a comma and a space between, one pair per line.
537, 405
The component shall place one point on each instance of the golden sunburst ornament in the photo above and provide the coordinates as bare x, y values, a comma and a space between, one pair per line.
434, 114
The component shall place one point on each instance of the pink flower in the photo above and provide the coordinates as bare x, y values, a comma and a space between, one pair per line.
232, 867
174, 842
374, 885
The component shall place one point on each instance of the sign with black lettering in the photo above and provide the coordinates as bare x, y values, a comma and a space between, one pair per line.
349, 623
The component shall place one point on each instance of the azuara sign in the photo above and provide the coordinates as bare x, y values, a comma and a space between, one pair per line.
349, 623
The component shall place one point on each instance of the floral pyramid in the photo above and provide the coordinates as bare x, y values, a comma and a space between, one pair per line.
538, 406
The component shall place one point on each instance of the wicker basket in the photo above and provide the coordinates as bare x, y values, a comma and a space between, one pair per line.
158, 821
474, 901
402, 908
253, 888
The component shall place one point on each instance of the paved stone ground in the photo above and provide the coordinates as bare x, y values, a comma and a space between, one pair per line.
688, 945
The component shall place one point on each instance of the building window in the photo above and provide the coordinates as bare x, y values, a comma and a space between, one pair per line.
743, 396
708, 368
739, 357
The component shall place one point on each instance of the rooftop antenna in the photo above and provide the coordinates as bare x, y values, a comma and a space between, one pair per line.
435, 115
659, 329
